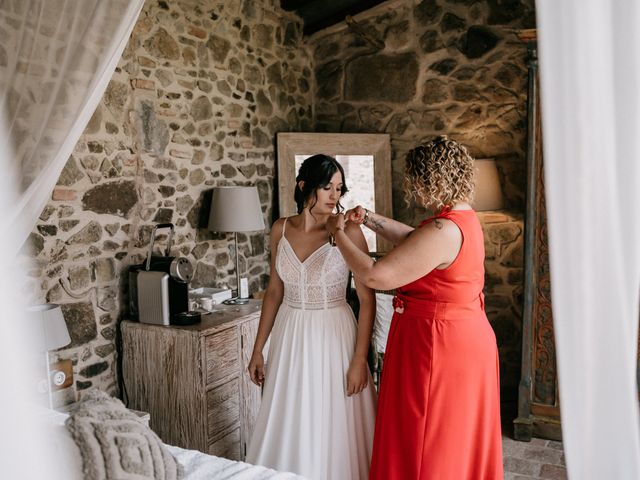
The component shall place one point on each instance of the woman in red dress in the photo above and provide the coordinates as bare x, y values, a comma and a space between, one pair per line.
439, 406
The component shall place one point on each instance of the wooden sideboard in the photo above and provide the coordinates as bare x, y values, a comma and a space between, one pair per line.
192, 380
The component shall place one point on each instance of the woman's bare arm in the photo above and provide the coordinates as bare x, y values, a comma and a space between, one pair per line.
388, 228
358, 373
434, 245
273, 295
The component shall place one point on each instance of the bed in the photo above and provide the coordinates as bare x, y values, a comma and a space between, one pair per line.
121, 446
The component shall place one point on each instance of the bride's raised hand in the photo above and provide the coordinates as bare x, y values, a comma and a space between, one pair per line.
335, 222
355, 215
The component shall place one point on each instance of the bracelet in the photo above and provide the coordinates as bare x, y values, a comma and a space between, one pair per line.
366, 216
332, 237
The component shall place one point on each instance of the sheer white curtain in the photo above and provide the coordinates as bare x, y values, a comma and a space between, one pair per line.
56, 59
590, 87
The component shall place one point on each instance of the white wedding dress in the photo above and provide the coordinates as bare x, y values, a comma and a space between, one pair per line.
307, 424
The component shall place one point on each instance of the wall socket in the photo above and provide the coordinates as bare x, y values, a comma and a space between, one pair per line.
64, 366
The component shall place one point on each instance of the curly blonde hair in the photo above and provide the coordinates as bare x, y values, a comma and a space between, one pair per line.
439, 173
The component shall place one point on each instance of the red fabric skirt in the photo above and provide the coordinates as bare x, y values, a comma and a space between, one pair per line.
439, 406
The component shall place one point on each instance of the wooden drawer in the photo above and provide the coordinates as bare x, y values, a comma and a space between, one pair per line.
222, 356
227, 446
223, 407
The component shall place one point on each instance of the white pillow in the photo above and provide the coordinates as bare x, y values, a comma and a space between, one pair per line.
65, 451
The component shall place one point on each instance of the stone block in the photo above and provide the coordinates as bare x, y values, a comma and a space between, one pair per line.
47, 212
219, 48
104, 270
435, 91
143, 84
79, 278
502, 234
451, 22
163, 215
431, 41
105, 350
180, 153
204, 276
48, 230
63, 194
91, 233
397, 35
197, 32
115, 97
109, 333
196, 177
81, 322
514, 255
478, 41
162, 45
155, 133
427, 12
553, 472
94, 370
107, 298
201, 109
521, 466
382, 78
115, 198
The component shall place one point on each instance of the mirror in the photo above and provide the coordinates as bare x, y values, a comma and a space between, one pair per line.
366, 159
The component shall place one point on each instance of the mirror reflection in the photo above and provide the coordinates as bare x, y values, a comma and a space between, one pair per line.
359, 176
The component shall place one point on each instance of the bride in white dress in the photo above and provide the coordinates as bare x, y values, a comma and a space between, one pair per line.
318, 405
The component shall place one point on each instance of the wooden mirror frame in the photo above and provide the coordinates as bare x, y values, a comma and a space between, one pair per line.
377, 145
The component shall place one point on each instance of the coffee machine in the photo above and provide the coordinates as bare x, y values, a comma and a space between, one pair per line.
159, 287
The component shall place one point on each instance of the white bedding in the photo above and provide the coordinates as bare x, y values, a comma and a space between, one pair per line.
200, 466
194, 465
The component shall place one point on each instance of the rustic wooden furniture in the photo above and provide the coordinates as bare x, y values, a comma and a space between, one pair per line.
192, 379
538, 395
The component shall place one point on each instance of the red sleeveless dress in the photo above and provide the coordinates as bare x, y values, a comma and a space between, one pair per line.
439, 406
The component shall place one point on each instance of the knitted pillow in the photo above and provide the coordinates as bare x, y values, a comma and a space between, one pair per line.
115, 443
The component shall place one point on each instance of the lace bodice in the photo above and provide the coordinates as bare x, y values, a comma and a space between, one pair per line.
318, 283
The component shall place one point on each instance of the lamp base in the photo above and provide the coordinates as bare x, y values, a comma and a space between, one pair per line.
236, 301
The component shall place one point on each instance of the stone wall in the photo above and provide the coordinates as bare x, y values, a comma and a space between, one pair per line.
436, 67
196, 99
504, 262
419, 69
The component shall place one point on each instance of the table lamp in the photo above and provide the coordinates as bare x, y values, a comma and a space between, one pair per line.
51, 333
235, 209
488, 194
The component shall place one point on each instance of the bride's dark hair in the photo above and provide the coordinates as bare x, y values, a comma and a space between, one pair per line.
316, 172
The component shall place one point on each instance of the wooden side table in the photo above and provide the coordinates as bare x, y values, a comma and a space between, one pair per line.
193, 380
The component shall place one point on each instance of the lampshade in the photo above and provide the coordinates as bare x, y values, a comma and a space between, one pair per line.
235, 209
488, 194
49, 326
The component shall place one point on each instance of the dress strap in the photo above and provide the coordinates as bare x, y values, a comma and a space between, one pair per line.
284, 225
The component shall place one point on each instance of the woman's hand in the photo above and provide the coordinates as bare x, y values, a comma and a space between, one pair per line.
356, 215
357, 376
256, 368
335, 223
